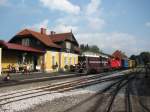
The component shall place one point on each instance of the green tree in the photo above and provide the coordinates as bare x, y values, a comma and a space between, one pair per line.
145, 56
94, 49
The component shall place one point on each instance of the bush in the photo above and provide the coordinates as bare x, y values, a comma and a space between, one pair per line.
55, 66
66, 67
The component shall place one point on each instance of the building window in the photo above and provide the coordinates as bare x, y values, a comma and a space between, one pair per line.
53, 60
65, 61
68, 46
26, 42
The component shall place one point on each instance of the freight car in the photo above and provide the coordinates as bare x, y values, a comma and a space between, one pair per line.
131, 63
124, 63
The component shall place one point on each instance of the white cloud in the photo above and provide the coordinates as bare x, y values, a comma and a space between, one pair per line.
93, 14
92, 19
43, 24
59, 28
109, 42
61, 5
93, 7
147, 24
37, 26
96, 23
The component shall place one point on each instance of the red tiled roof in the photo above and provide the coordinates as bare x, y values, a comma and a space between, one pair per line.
48, 40
45, 39
19, 47
60, 37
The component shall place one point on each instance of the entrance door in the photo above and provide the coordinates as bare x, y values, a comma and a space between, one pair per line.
35, 58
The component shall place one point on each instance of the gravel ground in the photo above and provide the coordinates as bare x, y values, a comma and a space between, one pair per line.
79, 100
30, 103
78, 103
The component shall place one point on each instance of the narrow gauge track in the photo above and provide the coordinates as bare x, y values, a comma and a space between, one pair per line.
27, 81
128, 107
128, 104
61, 87
52, 85
112, 91
101, 99
115, 92
59, 84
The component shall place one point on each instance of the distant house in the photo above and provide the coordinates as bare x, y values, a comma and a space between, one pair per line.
46, 52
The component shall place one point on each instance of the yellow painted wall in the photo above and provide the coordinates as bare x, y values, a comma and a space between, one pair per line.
74, 59
11, 58
8, 58
48, 60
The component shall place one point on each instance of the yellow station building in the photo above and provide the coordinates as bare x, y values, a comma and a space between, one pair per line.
44, 52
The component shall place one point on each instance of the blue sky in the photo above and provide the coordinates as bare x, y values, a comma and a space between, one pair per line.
110, 24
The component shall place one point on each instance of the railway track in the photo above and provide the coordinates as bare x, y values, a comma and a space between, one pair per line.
115, 92
126, 84
61, 87
101, 99
128, 104
108, 95
15, 82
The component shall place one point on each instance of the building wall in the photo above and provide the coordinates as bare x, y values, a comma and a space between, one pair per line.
68, 59
61, 58
0, 60
48, 60
8, 58
65, 59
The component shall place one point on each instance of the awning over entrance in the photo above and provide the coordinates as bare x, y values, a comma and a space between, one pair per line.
19, 47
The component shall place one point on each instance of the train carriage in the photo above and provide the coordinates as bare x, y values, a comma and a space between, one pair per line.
92, 63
